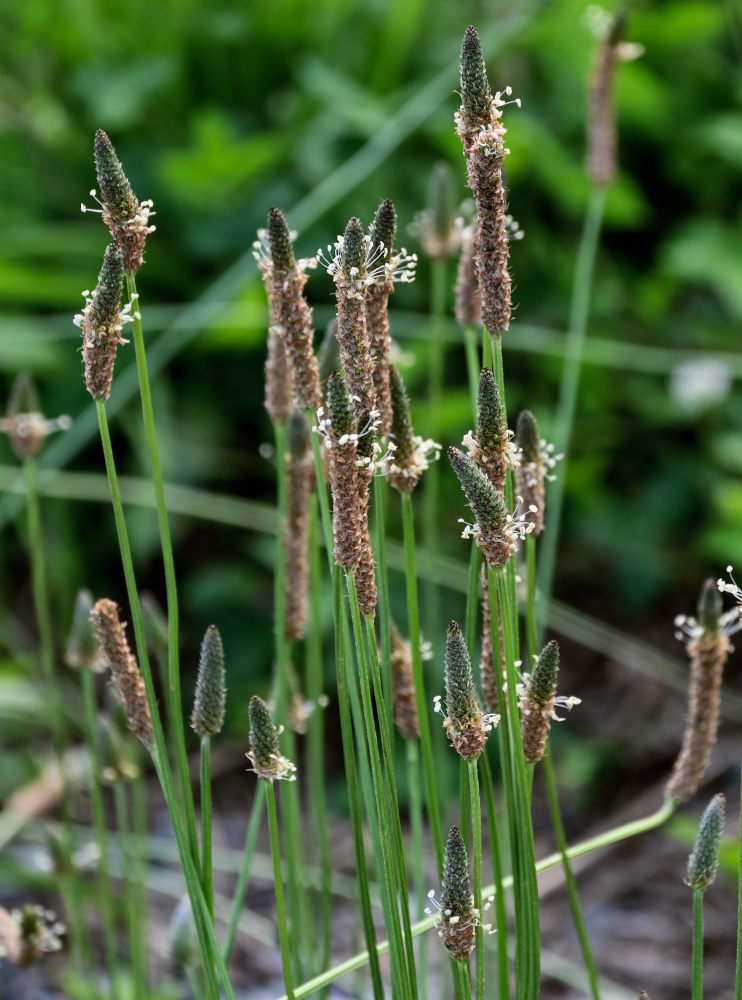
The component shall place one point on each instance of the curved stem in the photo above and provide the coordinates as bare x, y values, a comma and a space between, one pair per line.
175, 711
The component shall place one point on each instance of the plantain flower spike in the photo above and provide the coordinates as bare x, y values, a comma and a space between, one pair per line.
210, 699
458, 917
404, 701
478, 123
24, 423
703, 862
468, 294
496, 531
490, 447
290, 316
409, 454
101, 322
83, 651
707, 646
263, 749
538, 702
296, 538
126, 217
467, 727
438, 225
125, 673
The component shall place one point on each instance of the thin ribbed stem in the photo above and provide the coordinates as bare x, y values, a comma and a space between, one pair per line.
381, 492
204, 927
697, 977
413, 618
472, 365
574, 899
503, 968
207, 870
418, 855
283, 929
316, 737
248, 853
476, 845
738, 971
279, 579
577, 330
105, 886
531, 626
352, 780
172, 697
472, 597
139, 877
128, 864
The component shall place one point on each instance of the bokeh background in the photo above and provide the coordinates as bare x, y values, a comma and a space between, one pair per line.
221, 110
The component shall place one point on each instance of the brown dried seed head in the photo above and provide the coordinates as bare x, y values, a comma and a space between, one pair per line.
344, 480
296, 539
487, 678
101, 322
601, 154
352, 333
403, 688
468, 294
708, 651
125, 673
278, 379
380, 347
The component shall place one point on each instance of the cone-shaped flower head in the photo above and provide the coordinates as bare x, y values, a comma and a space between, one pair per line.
24, 423
458, 917
539, 701
290, 316
340, 435
465, 724
409, 454
490, 447
383, 229
211, 689
126, 217
707, 647
496, 531
476, 95
440, 229
101, 322
703, 862
264, 752
125, 673
83, 650
353, 254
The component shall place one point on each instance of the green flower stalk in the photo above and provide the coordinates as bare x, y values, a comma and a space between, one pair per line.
101, 322
83, 651
410, 454
210, 698
24, 423
490, 446
467, 727
126, 217
707, 646
487, 677
539, 701
125, 673
290, 316
381, 233
300, 478
703, 862
481, 131
496, 531
264, 752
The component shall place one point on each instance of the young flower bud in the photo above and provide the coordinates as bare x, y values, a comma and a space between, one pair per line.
263, 749
703, 862
353, 254
24, 423
126, 217
125, 673
83, 650
279, 243
538, 702
490, 447
707, 648
458, 918
209, 701
101, 322
491, 655
496, 531
384, 227
465, 724
476, 96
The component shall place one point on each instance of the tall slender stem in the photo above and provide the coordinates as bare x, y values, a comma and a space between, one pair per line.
175, 711
283, 930
503, 967
472, 364
738, 970
476, 849
413, 616
207, 871
697, 977
418, 855
248, 853
127, 850
577, 330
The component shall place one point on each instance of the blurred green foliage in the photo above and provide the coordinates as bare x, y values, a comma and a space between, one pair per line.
219, 111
